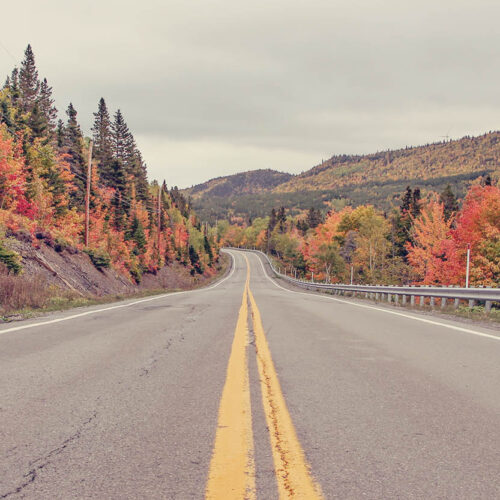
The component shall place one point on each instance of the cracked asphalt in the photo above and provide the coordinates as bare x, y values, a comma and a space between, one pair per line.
124, 403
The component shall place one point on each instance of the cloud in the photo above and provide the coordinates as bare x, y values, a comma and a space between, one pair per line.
276, 82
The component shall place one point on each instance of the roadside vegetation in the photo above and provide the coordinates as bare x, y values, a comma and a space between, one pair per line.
424, 241
135, 226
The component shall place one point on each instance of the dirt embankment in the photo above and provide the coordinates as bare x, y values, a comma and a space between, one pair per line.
72, 270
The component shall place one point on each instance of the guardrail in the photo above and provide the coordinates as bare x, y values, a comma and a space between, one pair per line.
393, 293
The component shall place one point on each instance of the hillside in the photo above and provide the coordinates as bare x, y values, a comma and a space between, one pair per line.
244, 183
112, 230
377, 179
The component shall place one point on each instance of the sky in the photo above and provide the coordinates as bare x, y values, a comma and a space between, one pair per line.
214, 87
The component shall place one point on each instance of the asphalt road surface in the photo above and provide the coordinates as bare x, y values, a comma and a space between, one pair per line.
248, 390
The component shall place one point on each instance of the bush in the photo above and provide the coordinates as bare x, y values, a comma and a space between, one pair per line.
11, 260
99, 258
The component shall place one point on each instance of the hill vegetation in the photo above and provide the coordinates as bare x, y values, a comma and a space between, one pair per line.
376, 179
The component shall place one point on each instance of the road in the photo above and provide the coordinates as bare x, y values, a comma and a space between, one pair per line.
248, 390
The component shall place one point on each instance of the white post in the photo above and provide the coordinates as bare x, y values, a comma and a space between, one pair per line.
352, 274
468, 266
312, 277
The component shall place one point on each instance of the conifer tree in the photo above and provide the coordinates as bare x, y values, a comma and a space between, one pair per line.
37, 122
449, 200
416, 203
73, 147
47, 108
103, 143
60, 134
29, 84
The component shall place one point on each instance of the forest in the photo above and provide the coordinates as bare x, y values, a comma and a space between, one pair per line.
135, 226
422, 241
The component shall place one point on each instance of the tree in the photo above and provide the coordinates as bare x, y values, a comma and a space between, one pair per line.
478, 225
432, 251
125, 150
47, 108
29, 84
74, 149
449, 201
103, 143
313, 218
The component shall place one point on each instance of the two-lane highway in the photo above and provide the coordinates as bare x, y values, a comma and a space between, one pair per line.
248, 390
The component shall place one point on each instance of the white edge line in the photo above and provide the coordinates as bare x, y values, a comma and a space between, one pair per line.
388, 311
119, 306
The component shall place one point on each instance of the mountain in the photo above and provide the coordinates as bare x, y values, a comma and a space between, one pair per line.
377, 178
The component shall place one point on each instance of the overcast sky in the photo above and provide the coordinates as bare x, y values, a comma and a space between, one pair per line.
215, 87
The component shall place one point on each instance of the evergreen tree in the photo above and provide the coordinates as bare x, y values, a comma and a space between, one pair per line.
401, 224
60, 134
37, 122
47, 108
103, 143
195, 260
313, 218
208, 250
125, 150
137, 234
416, 203
406, 200
73, 147
281, 219
121, 138
29, 84
449, 200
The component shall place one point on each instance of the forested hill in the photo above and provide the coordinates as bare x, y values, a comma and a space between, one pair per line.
377, 179
465, 156
254, 181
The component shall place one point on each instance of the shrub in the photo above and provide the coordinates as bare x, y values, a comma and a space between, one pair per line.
11, 260
99, 258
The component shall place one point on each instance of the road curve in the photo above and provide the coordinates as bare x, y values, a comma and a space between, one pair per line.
247, 390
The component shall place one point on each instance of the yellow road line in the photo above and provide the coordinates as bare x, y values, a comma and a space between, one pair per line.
232, 467
291, 468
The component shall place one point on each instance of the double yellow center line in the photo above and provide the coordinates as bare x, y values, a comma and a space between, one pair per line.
232, 468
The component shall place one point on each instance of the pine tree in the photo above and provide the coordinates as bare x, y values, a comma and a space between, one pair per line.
46, 105
120, 136
401, 224
29, 84
125, 150
416, 205
281, 219
313, 218
449, 200
14, 86
73, 147
37, 122
60, 134
103, 143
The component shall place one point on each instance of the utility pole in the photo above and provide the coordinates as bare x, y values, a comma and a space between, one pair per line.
159, 219
87, 196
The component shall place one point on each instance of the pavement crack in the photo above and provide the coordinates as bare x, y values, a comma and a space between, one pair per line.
40, 463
